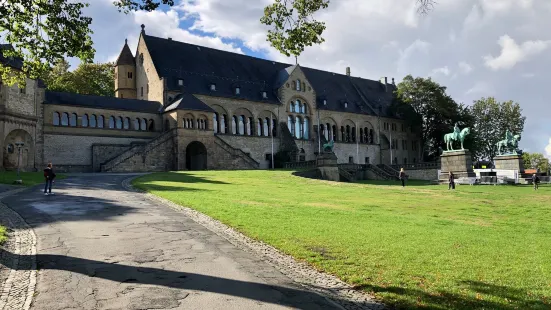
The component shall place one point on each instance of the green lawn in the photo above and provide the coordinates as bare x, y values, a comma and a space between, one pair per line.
479, 247
29, 178
3, 234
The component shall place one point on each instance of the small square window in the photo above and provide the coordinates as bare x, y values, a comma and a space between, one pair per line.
346, 105
264, 95
324, 102
180, 82
213, 87
237, 90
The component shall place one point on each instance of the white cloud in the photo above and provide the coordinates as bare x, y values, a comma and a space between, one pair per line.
465, 68
481, 88
512, 53
528, 75
440, 71
548, 149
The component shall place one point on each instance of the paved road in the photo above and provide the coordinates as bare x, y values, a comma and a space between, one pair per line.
101, 247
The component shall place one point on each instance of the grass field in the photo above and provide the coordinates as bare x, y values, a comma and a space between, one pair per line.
3, 234
29, 178
424, 247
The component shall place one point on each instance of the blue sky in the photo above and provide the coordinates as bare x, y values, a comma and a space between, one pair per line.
477, 48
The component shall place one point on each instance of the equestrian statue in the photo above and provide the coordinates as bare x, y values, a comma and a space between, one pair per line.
456, 135
328, 147
509, 145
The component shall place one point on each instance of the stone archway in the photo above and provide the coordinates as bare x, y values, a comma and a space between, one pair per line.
11, 151
196, 156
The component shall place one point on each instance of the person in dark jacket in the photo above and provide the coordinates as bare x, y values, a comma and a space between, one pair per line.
535, 181
403, 177
451, 181
49, 175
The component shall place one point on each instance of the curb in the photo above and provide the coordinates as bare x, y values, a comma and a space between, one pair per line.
18, 290
329, 286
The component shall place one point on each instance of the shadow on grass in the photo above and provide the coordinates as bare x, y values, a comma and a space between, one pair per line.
149, 187
418, 299
410, 183
183, 177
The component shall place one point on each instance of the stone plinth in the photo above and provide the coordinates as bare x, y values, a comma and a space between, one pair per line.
458, 162
509, 162
327, 165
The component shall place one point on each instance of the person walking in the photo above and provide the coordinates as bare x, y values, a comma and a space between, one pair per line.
49, 175
451, 181
535, 181
402, 177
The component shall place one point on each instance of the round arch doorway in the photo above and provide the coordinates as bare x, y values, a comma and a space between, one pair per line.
11, 151
196, 156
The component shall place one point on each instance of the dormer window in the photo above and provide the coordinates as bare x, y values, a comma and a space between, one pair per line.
264, 95
298, 85
346, 105
213, 87
324, 102
237, 90
180, 82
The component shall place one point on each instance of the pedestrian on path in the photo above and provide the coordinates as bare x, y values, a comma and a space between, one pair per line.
49, 175
535, 181
403, 177
451, 181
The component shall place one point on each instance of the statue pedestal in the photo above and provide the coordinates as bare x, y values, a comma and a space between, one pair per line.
509, 162
460, 163
327, 165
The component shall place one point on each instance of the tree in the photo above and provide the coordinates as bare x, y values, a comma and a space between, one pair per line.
43, 32
293, 26
491, 121
429, 110
88, 79
536, 161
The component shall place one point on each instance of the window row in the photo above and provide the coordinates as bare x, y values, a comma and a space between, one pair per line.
93, 121
298, 85
299, 127
405, 161
190, 123
414, 145
298, 107
245, 126
347, 134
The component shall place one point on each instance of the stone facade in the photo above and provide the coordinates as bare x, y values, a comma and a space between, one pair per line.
423, 174
509, 162
458, 162
222, 132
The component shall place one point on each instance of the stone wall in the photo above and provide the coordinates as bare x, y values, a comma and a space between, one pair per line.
72, 151
257, 147
358, 153
147, 77
423, 174
101, 153
159, 158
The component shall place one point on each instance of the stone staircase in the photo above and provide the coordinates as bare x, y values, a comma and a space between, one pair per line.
379, 172
390, 171
348, 173
139, 149
236, 152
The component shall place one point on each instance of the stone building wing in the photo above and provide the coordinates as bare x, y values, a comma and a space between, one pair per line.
125, 57
100, 102
197, 68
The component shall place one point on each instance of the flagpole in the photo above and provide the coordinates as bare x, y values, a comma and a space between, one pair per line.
357, 148
391, 147
319, 137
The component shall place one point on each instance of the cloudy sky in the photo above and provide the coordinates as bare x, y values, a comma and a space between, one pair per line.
477, 48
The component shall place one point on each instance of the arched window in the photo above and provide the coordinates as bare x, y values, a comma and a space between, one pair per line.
303, 86
292, 107
370, 135
143, 124
298, 85
353, 134
84, 122
297, 106
294, 84
343, 135
250, 126
126, 123
93, 121
224, 124
334, 132
137, 124
101, 121
73, 120
241, 125
215, 122
265, 127
259, 127
325, 131
347, 133
414, 160
151, 125
301, 107
119, 122
306, 129
361, 135
234, 125
56, 119
395, 160
298, 128
291, 125
111, 122
304, 109
405, 161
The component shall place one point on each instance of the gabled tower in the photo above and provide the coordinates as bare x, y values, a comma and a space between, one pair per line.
125, 74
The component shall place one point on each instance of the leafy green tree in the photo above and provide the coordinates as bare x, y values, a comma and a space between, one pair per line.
44, 31
429, 110
88, 79
536, 161
293, 26
491, 121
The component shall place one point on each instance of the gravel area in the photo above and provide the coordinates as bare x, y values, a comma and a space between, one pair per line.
300, 272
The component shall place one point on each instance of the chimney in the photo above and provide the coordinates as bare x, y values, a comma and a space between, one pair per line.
348, 71
386, 81
169, 39
393, 82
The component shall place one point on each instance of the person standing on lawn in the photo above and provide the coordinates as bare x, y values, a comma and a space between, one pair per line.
49, 175
535, 181
402, 177
451, 180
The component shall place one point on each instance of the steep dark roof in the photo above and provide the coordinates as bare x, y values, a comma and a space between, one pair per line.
16, 63
187, 102
100, 102
126, 57
199, 67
